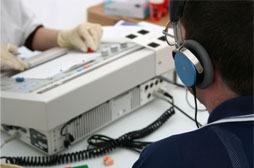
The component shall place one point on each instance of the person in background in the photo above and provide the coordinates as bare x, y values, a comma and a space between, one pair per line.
19, 27
225, 30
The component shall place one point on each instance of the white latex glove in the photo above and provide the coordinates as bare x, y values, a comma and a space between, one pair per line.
82, 37
5, 165
7, 59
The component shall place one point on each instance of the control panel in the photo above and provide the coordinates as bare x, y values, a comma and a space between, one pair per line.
53, 68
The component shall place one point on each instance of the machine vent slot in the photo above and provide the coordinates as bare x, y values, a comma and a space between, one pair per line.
91, 121
135, 98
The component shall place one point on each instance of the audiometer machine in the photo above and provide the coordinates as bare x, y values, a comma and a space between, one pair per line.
66, 95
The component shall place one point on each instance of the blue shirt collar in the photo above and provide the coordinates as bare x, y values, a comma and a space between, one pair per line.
233, 107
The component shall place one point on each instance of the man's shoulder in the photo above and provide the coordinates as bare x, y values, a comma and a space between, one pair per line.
191, 140
182, 150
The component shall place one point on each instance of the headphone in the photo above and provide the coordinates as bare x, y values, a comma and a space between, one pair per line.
192, 62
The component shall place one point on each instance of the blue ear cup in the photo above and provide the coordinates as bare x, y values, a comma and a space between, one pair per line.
186, 69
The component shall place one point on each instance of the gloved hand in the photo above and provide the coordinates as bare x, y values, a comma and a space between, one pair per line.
5, 165
7, 59
82, 37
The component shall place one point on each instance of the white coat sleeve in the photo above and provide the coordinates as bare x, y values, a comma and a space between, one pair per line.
17, 22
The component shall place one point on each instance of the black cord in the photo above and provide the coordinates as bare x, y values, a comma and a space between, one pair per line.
187, 115
98, 145
196, 106
181, 86
166, 94
189, 104
170, 81
68, 137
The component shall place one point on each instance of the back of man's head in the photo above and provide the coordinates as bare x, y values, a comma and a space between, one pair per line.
225, 29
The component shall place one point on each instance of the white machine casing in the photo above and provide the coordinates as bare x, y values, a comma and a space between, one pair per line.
86, 102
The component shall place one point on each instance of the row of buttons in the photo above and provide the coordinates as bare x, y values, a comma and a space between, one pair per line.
113, 49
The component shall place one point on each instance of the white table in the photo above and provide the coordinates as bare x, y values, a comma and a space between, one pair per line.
124, 158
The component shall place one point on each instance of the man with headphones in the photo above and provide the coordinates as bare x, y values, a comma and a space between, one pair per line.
214, 59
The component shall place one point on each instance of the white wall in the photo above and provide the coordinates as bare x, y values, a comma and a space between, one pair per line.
60, 14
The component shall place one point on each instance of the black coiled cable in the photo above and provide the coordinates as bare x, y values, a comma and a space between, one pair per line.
98, 145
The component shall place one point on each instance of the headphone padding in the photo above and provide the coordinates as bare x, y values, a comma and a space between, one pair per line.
199, 51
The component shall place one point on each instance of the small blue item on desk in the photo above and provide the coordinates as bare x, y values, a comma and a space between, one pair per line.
20, 79
80, 69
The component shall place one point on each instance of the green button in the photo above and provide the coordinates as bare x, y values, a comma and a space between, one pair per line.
82, 166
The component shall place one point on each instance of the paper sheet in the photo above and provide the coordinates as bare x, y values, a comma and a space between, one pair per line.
116, 33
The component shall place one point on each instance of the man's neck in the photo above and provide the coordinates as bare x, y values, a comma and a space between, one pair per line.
218, 98
217, 93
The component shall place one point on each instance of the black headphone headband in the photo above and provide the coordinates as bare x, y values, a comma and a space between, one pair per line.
176, 10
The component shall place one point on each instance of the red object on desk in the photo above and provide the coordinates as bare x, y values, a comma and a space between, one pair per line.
89, 50
108, 161
158, 9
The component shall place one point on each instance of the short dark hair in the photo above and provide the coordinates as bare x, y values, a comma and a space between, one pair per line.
225, 29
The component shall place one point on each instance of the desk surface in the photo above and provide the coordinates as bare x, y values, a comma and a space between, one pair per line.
124, 158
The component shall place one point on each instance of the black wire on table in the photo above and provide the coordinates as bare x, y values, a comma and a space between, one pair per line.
171, 82
171, 101
196, 106
98, 145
